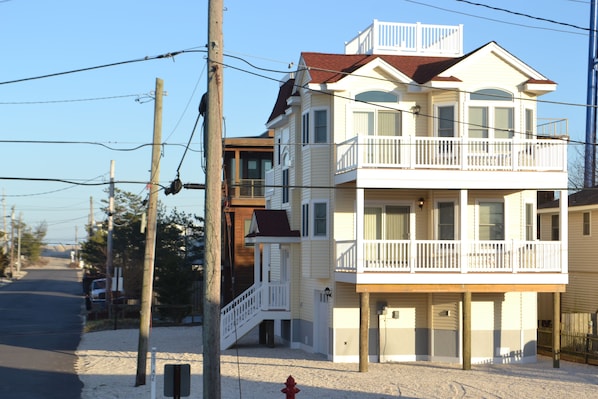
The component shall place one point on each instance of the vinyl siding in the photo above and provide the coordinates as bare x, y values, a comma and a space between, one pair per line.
503, 75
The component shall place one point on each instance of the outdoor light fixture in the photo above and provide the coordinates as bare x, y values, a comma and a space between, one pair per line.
327, 292
416, 109
420, 203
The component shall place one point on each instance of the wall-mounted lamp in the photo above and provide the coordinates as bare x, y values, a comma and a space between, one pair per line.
327, 292
416, 109
420, 203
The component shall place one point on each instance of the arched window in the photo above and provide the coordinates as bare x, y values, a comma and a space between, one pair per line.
491, 95
375, 96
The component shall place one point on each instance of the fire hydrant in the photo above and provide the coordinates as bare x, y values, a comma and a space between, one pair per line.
291, 388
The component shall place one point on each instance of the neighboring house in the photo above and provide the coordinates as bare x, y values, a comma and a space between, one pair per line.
246, 161
582, 291
400, 221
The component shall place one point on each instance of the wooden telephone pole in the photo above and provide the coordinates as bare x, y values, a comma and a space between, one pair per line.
150, 241
213, 206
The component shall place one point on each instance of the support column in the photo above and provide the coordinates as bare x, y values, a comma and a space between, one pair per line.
467, 330
257, 263
364, 327
463, 229
564, 229
556, 330
359, 229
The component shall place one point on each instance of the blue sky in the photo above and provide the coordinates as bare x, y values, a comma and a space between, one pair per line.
69, 121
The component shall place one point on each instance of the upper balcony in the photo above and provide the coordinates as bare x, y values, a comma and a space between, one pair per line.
366, 158
408, 39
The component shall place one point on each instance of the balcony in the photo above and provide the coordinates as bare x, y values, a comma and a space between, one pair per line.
449, 262
367, 157
247, 188
408, 39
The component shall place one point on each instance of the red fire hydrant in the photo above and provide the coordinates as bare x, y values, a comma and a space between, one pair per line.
291, 388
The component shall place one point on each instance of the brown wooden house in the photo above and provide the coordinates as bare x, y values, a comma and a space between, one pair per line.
246, 160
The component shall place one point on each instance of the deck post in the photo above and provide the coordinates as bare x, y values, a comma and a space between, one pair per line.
364, 326
467, 330
556, 330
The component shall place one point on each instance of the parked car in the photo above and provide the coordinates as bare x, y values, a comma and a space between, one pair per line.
97, 290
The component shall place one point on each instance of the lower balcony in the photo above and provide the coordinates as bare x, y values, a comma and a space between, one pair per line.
450, 262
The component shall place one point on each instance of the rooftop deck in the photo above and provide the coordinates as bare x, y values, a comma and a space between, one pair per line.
408, 39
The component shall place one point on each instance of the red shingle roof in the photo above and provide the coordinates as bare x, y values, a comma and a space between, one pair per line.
329, 68
272, 223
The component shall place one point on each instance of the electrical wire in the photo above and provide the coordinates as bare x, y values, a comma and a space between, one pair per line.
68, 101
492, 19
552, 21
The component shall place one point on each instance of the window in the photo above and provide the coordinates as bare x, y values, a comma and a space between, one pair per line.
304, 220
320, 219
377, 123
446, 221
305, 128
529, 222
285, 185
446, 121
492, 221
376, 97
555, 228
491, 105
320, 126
586, 223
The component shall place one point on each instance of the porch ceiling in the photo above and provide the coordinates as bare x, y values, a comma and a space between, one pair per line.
452, 288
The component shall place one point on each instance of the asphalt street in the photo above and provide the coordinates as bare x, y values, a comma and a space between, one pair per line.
40, 329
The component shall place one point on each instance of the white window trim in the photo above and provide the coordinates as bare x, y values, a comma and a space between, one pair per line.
312, 130
455, 202
477, 216
590, 224
492, 105
312, 220
455, 106
383, 204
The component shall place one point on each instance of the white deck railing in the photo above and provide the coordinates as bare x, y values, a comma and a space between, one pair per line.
408, 39
408, 152
418, 256
244, 311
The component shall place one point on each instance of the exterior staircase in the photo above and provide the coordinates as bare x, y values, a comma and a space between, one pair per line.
264, 301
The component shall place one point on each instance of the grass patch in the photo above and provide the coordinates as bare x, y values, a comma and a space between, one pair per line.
108, 324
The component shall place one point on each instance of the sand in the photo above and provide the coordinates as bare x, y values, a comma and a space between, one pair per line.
107, 364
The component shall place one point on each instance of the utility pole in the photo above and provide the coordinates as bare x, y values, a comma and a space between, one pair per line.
91, 219
12, 241
150, 241
589, 180
213, 206
20, 227
109, 239
5, 238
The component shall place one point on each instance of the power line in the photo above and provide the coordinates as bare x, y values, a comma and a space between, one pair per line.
552, 21
95, 143
69, 101
147, 58
492, 19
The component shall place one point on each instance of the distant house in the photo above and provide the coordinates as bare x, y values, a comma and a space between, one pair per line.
246, 161
581, 295
404, 188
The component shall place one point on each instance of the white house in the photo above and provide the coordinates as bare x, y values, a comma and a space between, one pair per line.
401, 206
